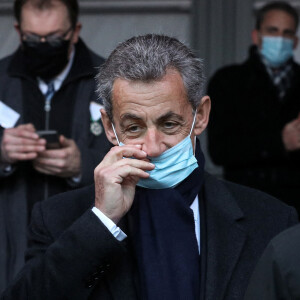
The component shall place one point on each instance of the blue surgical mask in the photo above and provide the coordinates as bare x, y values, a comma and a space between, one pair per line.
172, 166
276, 50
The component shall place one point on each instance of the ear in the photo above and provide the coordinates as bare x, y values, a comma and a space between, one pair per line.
296, 40
202, 116
255, 37
18, 30
76, 33
108, 127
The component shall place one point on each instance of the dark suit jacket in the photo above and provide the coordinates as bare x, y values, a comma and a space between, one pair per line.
277, 275
73, 256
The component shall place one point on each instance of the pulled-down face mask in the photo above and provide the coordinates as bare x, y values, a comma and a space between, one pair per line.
172, 166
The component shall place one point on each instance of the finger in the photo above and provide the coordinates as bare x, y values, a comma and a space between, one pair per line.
50, 162
22, 133
23, 156
118, 152
104, 170
23, 148
122, 170
136, 163
55, 154
65, 142
128, 171
29, 127
44, 170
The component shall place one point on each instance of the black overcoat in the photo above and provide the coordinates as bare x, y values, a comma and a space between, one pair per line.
72, 255
80, 85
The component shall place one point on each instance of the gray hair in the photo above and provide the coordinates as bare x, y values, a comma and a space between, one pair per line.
147, 58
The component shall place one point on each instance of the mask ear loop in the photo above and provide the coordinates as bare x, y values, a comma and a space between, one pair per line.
113, 127
194, 121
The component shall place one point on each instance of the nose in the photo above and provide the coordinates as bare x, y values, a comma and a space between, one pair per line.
153, 144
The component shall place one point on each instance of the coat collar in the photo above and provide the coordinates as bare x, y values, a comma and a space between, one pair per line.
225, 237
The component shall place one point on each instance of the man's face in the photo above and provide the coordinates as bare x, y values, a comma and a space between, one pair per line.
277, 23
156, 115
49, 21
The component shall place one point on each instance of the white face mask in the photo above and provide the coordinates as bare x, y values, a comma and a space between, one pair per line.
172, 166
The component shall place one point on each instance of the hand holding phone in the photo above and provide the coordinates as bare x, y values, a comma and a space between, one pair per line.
51, 137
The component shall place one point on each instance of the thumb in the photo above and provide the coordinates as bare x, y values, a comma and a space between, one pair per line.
64, 141
30, 127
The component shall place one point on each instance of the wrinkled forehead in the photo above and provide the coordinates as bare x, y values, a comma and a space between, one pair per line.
277, 17
151, 99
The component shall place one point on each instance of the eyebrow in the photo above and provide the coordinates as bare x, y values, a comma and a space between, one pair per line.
129, 116
50, 33
162, 118
289, 31
169, 115
272, 28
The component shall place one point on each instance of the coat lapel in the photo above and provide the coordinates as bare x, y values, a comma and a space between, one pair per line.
225, 237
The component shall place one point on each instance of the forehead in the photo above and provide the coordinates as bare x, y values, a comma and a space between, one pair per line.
46, 19
150, 99
278, 18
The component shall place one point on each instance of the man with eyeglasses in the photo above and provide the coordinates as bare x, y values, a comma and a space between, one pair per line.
255, 128
47, 84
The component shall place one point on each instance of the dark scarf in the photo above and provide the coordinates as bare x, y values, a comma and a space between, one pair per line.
163, 238
282, 77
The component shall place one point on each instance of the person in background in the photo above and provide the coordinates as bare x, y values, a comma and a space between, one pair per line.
154, 225
277, 274
254, 131
47, 84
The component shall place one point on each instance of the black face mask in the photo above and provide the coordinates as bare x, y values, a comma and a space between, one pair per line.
45, 60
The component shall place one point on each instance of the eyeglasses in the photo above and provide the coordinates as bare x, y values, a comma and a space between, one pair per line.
53, 39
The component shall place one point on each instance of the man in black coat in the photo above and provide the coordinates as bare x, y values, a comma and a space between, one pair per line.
254, 131
154, 225
277, 274
51, 54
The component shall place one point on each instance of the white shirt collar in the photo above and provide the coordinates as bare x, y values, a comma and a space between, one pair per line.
58, 80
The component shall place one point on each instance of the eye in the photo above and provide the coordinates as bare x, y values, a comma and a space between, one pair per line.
133, 129
170, 125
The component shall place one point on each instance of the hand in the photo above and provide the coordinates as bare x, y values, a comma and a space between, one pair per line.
64, 162
20, 143
291, 135
116, 178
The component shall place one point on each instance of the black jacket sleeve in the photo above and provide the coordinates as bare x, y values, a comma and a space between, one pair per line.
68, 267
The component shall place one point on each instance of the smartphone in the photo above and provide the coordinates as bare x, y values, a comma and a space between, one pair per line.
51, 137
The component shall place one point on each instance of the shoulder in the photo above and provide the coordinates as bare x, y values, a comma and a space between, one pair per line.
4, 63
296, 68
229, 75
228, 70
257, 206
60, 211
97, 60
287, 244
282, 256
83, 50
